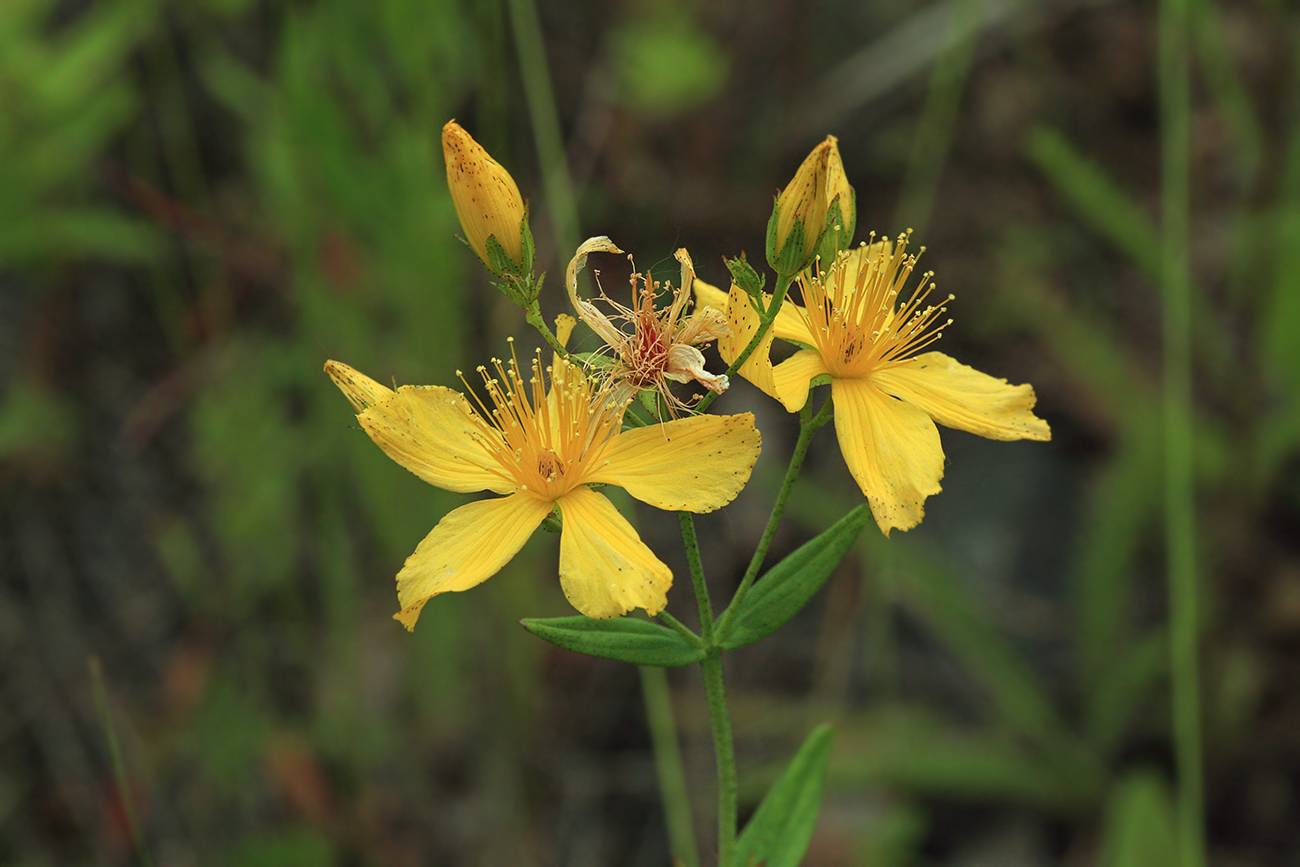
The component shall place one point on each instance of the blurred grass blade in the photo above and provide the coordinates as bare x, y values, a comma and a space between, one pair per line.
934, 129
1226, 87
1123, 506
785, 588
1125, 688
674, 793
624, 639
1102, 204
782, 827
124, 793
947, 606
1139, 824
918, 754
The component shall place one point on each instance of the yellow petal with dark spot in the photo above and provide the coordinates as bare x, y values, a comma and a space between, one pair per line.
694, 464
959, 396
605, 568
430, 430
467, 547
892, 449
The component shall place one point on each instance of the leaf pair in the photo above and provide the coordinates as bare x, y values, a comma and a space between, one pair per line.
777, 597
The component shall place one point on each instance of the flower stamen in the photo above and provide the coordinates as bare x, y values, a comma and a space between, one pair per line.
852, 308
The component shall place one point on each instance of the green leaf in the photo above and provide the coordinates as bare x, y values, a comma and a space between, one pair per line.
782, 826
786, 587
498, 259
624, 639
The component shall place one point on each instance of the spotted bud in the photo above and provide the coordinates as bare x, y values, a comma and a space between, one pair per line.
817, 199
488, 204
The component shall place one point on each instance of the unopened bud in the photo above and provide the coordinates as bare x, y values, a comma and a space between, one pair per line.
488, 203
818, 194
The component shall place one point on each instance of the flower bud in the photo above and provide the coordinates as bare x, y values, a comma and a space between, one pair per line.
818, 189
488, 203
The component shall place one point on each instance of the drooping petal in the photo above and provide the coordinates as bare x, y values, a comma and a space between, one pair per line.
686, 364
605, 568
962, 397
892, 449
694, 464
792, 377
683, 292
788, 325
431, 431
588, 312
467, 547
360, 390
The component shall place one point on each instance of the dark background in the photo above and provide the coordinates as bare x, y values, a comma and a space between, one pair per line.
201, 201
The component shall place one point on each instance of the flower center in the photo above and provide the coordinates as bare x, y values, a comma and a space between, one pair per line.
853, 312
545, 438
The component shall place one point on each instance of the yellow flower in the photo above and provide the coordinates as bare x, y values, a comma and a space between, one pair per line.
487, 199
543, 448
887, 391
662, 344
818, 189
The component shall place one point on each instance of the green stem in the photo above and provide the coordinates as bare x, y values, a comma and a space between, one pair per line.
668, 765
534, 317
724, 750
764, 323
1180, 516
725, 753
680, 628
808, 425
692, 545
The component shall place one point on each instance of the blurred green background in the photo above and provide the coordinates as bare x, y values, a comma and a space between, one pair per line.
201, 201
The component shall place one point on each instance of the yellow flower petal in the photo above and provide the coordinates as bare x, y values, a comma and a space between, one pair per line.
792, 377
694, 464
467, 547
708, 295
360, 390
892, 449
962, 397
605, 568
430, 430
789, 323
742, 324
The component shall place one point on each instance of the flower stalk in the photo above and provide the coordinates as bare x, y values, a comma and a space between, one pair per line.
809, 424
724, 750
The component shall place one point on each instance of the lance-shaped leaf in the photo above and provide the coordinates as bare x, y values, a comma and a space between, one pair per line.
782, 826
786, 587
624, 639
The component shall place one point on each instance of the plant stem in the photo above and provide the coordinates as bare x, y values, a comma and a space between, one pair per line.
533, 315
677, 626
764, 323
1180, 516
724, 750
808, 425
692, 545
668, 765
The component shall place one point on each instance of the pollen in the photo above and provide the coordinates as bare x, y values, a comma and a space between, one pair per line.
854, 312
546, 427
